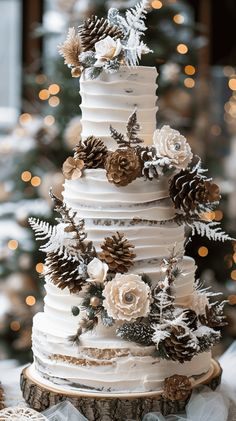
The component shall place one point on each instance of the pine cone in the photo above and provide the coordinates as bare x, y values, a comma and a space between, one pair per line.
136, 332
177, 388
95, 29
213, 316
189, 188
179, 346
191, 319
147, 157
208, 340
64, 273
117, 253
2, 405
123, 166
92, 151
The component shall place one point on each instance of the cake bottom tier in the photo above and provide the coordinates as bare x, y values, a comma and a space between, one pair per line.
41, 394
104, 363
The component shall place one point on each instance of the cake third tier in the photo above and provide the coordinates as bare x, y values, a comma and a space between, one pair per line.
137, 210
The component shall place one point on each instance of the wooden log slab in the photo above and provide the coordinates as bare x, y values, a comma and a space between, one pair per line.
108, 407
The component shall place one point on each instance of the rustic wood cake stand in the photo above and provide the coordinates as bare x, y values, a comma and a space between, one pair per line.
109, 407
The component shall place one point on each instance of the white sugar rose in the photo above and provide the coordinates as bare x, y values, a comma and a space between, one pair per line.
97, 270
127, 297
106, 50
170, 144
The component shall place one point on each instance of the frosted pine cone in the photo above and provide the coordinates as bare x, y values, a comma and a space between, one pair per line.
123, 166
214, 316
148, 159
95, 29
117, 253
92, 151
189, 189
177, 388
179, 346
64, 273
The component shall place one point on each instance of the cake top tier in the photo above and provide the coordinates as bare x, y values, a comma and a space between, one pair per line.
110, 99
107, 43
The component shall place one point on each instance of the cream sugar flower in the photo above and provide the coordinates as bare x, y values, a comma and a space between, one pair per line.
97, 271
106, 50
170, 144
127, 297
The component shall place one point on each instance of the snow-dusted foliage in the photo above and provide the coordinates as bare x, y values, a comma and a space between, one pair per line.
211, 230
58, 241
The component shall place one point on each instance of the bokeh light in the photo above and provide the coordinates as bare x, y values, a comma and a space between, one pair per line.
25, 118
178, 18
26, 176
203, 251
232, 84
157, 4
39, 267
12, 244
44, 94
182, 48
49, 120
54, 101
15, 325
36, 181
190, 70
30, 300
54, 89
189, 82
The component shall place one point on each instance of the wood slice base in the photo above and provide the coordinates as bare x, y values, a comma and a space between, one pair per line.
105, 406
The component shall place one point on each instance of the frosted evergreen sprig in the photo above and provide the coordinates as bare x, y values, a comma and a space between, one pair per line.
55, 237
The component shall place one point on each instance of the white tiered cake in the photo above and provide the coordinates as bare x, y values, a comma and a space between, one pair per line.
102, 361
123, 314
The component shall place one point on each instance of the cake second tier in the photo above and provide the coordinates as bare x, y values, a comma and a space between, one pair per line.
142, 211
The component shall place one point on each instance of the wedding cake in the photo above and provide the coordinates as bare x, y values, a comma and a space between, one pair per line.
123, 312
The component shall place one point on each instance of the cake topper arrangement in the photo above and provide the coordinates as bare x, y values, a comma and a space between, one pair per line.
107, 43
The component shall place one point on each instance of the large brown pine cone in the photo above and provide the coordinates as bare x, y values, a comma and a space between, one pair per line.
63, 273
92, 151
179, 346
188, 189
123, 166
95, 29
117, 253
177, 388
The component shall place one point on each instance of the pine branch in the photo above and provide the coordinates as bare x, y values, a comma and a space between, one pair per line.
136, 332
132, 129
68, 217
118, 137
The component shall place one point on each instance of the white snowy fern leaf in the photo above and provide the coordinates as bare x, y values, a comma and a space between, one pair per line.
135, 16
42, 229
55, 235
211, 230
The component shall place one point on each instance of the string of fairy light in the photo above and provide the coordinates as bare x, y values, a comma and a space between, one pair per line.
50, 94
181, 48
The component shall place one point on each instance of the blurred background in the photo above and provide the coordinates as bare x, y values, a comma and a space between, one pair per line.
195, 54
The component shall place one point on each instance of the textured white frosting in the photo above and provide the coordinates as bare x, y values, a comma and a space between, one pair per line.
111, 98
135, 371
